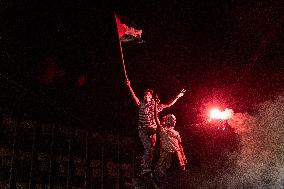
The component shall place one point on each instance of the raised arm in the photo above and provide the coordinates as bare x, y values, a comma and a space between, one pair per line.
173, 101
136, 99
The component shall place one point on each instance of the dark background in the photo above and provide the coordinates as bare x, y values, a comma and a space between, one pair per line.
61, 61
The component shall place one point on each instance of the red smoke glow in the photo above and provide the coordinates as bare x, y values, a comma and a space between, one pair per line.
217, 114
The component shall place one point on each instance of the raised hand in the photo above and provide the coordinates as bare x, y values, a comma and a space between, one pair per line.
181, 93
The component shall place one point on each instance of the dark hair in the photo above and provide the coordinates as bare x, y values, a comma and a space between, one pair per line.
150, 91
169, 120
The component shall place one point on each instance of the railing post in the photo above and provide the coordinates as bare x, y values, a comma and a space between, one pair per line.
51, 161
69, 171
118, 161
31, 179
102, 167
87, 166
12, 169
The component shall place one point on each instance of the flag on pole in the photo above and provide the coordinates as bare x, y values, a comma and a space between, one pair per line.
125, 32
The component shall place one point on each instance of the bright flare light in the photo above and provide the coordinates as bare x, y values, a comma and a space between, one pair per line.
217, 114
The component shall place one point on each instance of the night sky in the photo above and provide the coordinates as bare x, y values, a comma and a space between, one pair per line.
61, 61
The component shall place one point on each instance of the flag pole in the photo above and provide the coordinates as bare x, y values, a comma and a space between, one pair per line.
122, 60
120, 47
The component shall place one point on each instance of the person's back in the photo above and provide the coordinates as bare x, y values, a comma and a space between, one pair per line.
170, 139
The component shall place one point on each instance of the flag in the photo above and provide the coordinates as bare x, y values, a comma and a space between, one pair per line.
125, 32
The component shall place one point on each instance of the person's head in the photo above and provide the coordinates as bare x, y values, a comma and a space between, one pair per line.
148, 94
169, 120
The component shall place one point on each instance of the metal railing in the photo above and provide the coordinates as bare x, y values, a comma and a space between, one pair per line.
38, 155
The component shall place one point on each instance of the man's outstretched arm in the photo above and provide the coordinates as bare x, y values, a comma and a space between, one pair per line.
173, 101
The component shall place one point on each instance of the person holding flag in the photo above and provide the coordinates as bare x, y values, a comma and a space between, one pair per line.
147, 124
146, 121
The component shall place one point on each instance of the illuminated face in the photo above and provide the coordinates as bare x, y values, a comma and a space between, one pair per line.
147, 97
172, 120
169, 120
